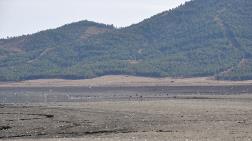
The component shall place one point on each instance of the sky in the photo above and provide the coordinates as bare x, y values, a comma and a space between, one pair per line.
20, 17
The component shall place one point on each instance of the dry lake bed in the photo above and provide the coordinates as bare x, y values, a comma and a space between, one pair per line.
165, 113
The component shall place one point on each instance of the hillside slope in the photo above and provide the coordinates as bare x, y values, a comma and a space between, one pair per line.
199, 38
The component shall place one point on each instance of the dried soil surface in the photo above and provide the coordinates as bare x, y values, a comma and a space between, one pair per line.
123, 80
197, 118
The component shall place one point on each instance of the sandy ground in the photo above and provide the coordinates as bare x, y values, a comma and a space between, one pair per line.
213, 118
123, 80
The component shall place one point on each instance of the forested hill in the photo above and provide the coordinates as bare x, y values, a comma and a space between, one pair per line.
199, 38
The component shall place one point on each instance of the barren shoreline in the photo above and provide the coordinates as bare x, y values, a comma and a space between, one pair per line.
126, 108
219, 119
124, 80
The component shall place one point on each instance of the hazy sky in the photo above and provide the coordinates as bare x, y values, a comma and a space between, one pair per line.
19, 17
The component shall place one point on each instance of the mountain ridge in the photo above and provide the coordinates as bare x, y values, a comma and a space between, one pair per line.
198, 38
